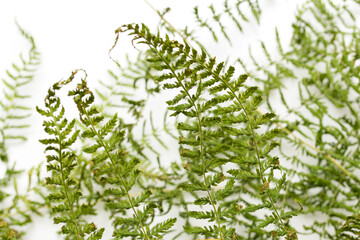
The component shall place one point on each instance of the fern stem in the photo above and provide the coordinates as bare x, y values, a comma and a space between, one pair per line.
200, 137
331, 159
78, 234
167, 22
260, 168
254, 139
214, 207
120, 177
327, 156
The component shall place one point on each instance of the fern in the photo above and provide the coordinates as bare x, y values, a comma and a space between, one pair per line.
65, 198
237, 17
239, 172
13, 108
112, 166
191, 72
134, 77
16, 207
323, 135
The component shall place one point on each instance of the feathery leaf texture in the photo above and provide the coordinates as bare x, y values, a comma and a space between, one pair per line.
207, 132
322, 61
111, 166
65, 199
17, 207
239, 173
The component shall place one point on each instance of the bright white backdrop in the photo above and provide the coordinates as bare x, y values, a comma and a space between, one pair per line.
72, 34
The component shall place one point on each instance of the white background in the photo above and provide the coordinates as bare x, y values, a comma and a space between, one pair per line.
78, 34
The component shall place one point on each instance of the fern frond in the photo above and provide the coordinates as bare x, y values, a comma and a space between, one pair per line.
13, 104
190, 72
65, 200
16, 206
319, 51
112, 165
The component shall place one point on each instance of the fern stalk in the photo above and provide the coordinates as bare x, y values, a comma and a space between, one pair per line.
283, 58
200, 136
105, 146
240, 105
83, 111
78, 236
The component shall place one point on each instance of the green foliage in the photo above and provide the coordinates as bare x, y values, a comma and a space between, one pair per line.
239, 173
123, 93
12, 104
233, 10
65, 198
17, 206
208, 132
111, 168
326, 118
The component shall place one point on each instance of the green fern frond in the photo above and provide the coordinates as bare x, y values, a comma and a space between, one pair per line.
112, 165
16, 206
190, 72
12, 104
65, 199
328, 80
